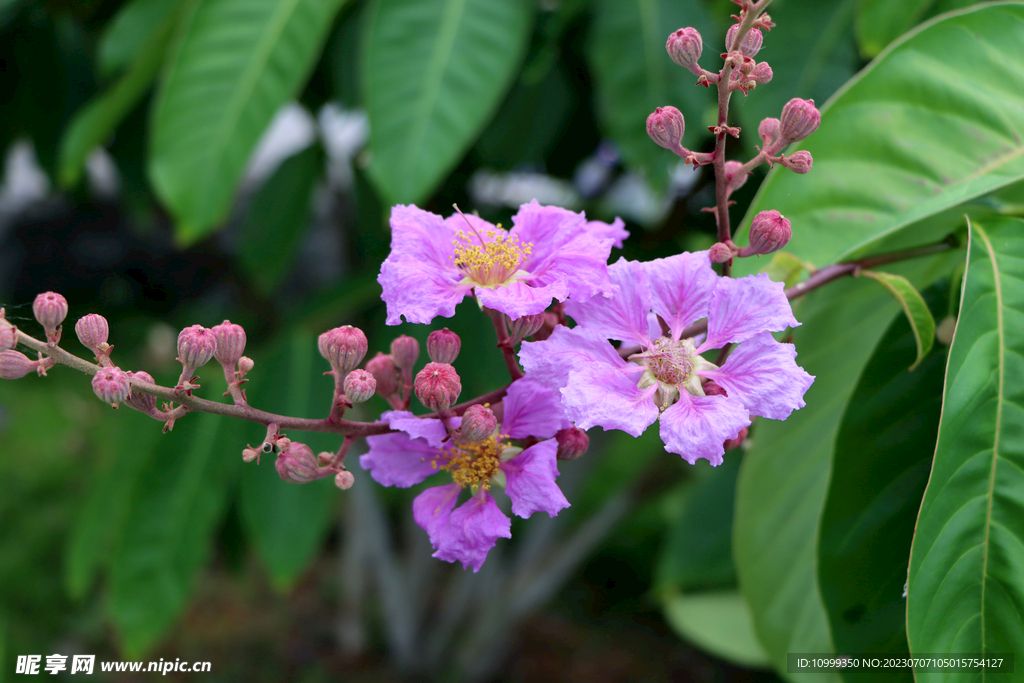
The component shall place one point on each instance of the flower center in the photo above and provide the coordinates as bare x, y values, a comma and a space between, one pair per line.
473, 464
673, 366
491, 258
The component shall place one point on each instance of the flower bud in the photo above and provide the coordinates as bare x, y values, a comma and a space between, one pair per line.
768, 130
111, 385
751, 43
712, 388
800, 162
245, 365
196, 346
438, 386
144, 403
297, 464
478, 423
443, 346
762, 73
735, 443
15, 365
719, 252
406, 351
50, 310
734, 177
230, 343
386, 373
572, 443
8, 333
249, 454
769, 232
684, 47
344, 480
521, 328
343, 347
799, 119
666, 127
359, 386
92, 331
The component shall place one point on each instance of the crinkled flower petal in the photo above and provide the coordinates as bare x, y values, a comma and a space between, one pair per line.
532, 409
430, 430
471, 531
763, 375
421, 235
418, 290
623, 316
681, 287
616, 231
697, 426
551, 360
519, 298
740, 308
606, 396
396, 460
530, 480
432, 510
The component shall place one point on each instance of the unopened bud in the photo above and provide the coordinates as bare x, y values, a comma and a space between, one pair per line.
769, 232
343, 347
92, 330
684, 47
666, 127
406, 351
15, 365
478, 423
384, 370
521, 328
750, 45
111, 385
719, 252
572, 443
249, 454
762, 73
359, 386
230, 343
735, 177
344, 480
799, 119
196, 346
50, 310
245, 364
735, 443
768, 130
297, 464
800, 162
443, 346
144, 403
438, 386
712, 388
8, 333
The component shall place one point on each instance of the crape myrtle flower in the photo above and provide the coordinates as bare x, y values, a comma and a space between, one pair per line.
421, 448
664, 379
550, 253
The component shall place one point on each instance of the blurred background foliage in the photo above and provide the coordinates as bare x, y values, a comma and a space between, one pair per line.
171, 162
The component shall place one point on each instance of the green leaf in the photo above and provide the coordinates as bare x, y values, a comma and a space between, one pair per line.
785, 268
177, 505
633, 75
718, 623
131, 31
434, 71
966, 586
912, 135
236, 63
879, 22
914, 307
287, 522
880, 466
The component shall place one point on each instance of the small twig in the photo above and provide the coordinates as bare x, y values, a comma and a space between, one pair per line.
505, 344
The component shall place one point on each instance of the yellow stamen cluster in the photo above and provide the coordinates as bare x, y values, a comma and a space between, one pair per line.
494, 257
473, 464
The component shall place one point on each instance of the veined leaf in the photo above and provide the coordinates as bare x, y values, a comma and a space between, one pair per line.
914, 307
879, 22
966, 584
434, 71
130, 32
236, 63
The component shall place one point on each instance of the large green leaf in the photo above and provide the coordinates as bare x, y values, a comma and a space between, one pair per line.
131, 30
719, 623
879, 22
633, 75
914, 134
236, 63
434, 71
914, 307
966, 584
879, 469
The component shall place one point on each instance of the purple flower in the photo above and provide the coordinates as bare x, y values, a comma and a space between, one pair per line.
664, 377
421, 447
550, 253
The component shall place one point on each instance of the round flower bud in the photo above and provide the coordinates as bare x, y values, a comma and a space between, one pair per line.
344, 480
572, 443
751, 42
230, 343
735, 178
406, 351
762, 73
245, 365
735, 443
719, 252
249, 454
799, 119
385, 372
144, 403
8, 334
359, 386
443, 346
800, 162
684, 47
343, 347
297, 464
521, 328
111, 385
15, 365
196, 345
438, 386
478, 423
666, 127
50, 310
92, 331
768, 130
769, 232
713, 389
